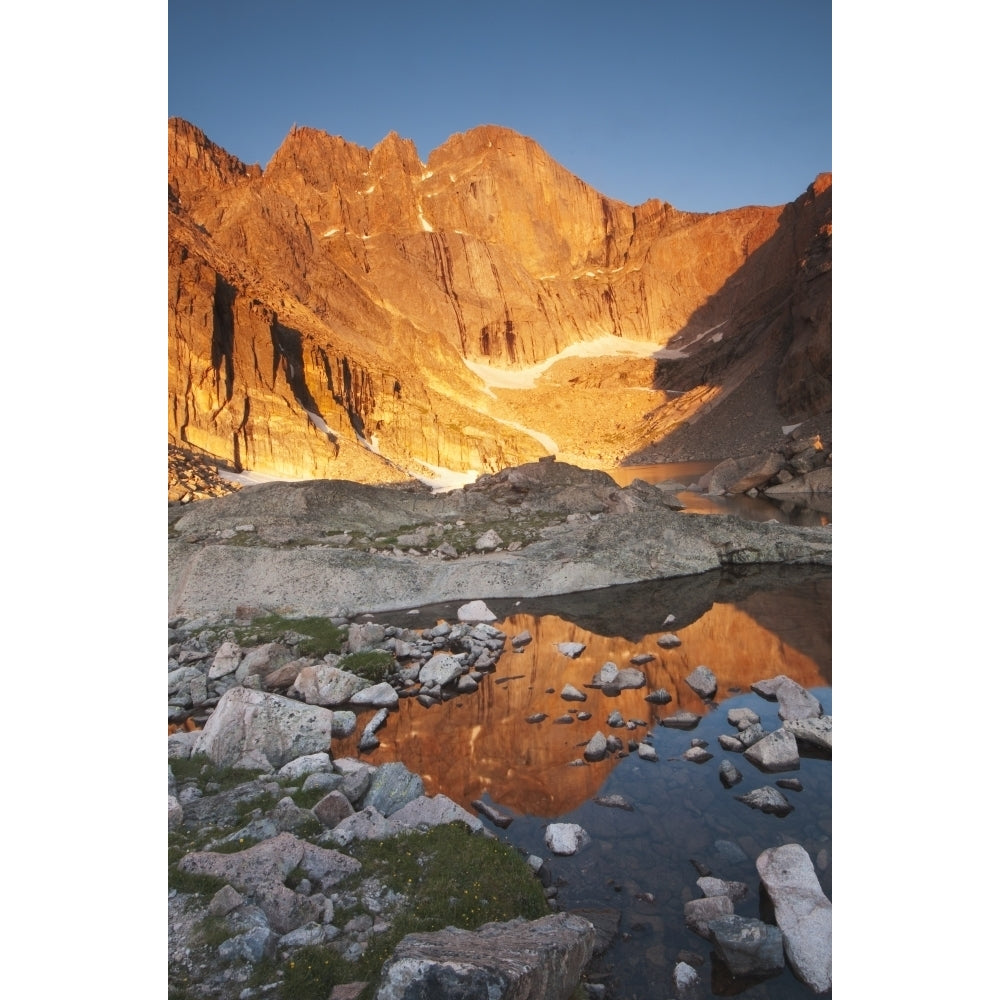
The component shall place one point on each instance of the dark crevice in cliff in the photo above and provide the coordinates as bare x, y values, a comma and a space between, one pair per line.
286, 345
222, 334
442, 258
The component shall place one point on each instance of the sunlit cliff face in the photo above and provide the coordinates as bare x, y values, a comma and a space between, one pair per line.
482, 744
354, 313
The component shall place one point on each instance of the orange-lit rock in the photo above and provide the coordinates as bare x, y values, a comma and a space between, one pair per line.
335, 297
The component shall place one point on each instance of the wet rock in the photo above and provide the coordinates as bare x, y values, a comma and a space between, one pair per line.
668, 641
606, 675
767, 799
729, 775
730, 743
793, 784
687, 982
570, 693
794, 701
521, 639
537, 717
661, 696
565, 838
647, 752
777, 751
477, 611
596, 748
681, 720
736, 891
748, 946
440, 669
702, 681
742, 717
495, 816
640, 659
368, 740
815, 733
802, 911
614, 802
629, 678
698, 912
752, 734
571, 649
382, 695
697, 755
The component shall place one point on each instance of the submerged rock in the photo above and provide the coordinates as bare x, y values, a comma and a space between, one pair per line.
767, 799
748, 946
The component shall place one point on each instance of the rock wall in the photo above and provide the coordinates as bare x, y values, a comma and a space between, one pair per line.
323, 311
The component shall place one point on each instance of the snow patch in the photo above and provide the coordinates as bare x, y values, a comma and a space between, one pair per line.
331, 232
442, 480
603, 347
424, 224
543, 439
320, 424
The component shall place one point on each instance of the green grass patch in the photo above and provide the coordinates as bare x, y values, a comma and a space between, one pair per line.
307, 798
313, 971
212, 931
323, 635
373, 665
200, 769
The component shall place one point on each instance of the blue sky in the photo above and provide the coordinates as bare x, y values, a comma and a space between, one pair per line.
706, 104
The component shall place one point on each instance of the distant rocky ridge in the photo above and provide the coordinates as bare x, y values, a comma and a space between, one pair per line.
358, 314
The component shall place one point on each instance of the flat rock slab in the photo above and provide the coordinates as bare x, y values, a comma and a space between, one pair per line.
802, 911
211, 574
519, 958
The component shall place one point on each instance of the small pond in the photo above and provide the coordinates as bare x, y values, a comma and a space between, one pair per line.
747, 625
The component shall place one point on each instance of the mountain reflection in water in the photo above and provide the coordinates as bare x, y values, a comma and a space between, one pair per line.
642, 864
744, 629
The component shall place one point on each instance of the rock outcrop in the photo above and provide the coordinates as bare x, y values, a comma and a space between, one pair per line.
358, 314
519, 958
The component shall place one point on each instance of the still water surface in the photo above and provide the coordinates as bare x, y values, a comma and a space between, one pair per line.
812, 510
746, 626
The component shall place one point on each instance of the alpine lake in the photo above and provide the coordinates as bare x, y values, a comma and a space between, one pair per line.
673, 820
